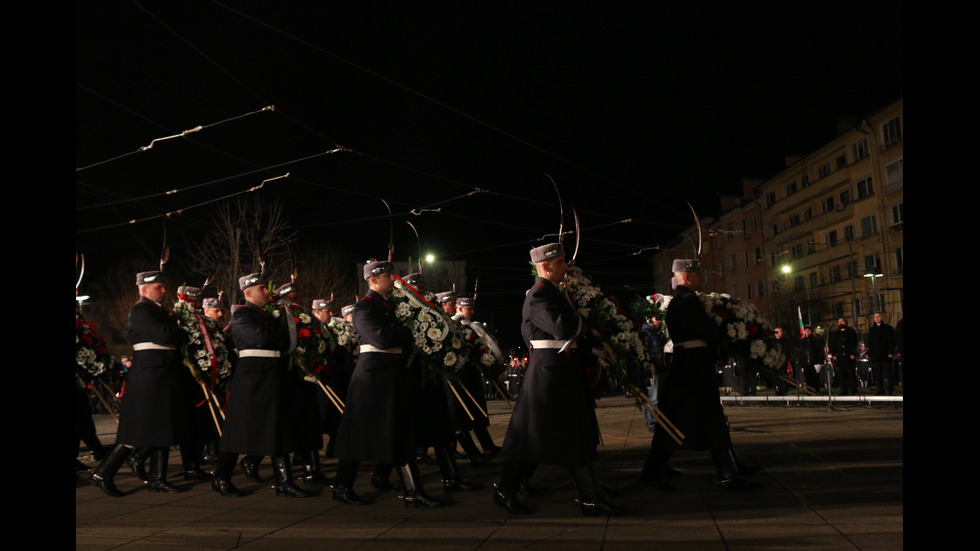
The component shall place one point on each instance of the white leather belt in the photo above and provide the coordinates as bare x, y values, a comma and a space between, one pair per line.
152, 346
368, 348
258, 353
551, 344
691, 344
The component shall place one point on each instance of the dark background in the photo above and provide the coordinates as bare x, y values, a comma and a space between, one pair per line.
472, 108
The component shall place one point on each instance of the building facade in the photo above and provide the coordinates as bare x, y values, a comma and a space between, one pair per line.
821, 240
833, 226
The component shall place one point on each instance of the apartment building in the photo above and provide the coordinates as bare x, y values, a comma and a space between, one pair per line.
808, 240
833, 224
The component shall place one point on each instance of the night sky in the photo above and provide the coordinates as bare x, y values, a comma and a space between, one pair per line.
473, 108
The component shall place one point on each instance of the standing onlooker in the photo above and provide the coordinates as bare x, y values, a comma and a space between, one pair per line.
843, 348
809, 357
881, 350
653, 338
900, 353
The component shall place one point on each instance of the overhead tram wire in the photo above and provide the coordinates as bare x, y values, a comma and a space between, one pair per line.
441, 104
197, 128
181, 211
213, 182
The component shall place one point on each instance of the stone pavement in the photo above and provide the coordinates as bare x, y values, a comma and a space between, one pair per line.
832, 480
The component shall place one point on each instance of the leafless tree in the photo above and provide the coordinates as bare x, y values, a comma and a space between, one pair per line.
321, 274
249, 235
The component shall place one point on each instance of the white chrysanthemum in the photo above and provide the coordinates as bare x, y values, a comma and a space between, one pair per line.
434, 333
305, 318
758, 348
85, 355
425, 317
450, 359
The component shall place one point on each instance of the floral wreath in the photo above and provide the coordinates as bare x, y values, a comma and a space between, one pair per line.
483, 346
620, 348
441, 348
205, 353
746, 333
92, 358
311, 356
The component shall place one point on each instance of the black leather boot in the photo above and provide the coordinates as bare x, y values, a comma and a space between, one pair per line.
590, 495
511, 477
451, 479
284, 479
343, 489
102, 477
508, 500
490, 450
210, 453
192, 470
221, 480
469, 447
728, 472
414, 495
225, 488
250, 464
158, 472
744, 469
380, 478
137, 463
311, 469
527, 471
655, 469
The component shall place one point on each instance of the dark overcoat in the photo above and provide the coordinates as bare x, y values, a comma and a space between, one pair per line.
689, 397
881, 342
257, 420
470, 377
378, 421
154, 412
554, 418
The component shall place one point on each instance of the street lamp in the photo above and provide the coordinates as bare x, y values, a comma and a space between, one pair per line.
874, 275
806, 287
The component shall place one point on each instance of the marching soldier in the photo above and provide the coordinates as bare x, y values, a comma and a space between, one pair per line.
471, 376
554, 418
215, 309
306, 418
378, 420
152, 414
257, 419
689, 397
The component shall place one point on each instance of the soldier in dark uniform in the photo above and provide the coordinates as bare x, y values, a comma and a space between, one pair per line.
329, 414
471, 376
689, 397
554, 418
433, 426
257, 421
152, 413
378, 421
304, 399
